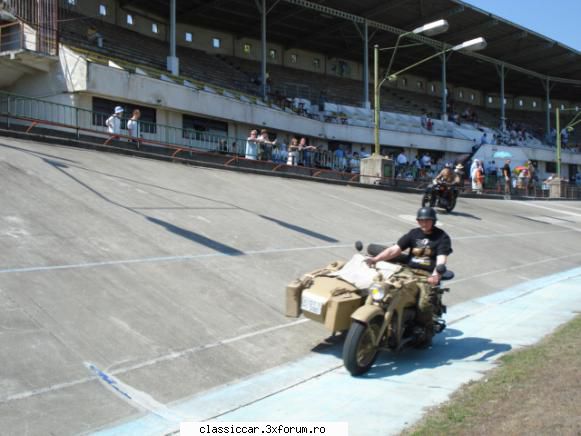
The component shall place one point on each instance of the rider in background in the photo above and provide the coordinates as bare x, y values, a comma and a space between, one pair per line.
429, 246
445, 176
448, 178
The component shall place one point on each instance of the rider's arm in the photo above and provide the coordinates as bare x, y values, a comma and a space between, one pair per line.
435, 277
387, 254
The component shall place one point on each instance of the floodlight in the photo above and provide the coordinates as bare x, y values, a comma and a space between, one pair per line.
433, 28
471, 45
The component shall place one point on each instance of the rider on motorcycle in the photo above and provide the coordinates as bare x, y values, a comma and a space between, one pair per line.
448, 178
445, 176
429, 246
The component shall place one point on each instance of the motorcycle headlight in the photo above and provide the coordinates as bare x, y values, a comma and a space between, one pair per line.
377, 292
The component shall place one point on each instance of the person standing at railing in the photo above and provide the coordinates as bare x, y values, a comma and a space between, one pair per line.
400, 163
293, 152
133, 126
266, 145
113, 123
308, 152
506, 175
252, 145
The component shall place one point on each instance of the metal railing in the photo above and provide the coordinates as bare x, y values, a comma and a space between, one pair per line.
32, 112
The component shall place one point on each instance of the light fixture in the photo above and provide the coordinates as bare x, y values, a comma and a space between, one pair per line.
471, 45
433, 28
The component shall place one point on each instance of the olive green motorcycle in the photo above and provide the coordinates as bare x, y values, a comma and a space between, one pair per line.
387, 319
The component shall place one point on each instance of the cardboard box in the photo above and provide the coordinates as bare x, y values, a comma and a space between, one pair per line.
293, 299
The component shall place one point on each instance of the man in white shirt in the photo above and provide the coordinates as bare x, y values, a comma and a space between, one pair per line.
401, 159
114, 121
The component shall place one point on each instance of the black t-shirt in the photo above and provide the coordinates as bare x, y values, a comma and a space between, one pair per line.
506, 170
424, 249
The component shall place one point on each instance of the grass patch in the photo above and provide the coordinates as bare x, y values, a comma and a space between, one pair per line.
535, 390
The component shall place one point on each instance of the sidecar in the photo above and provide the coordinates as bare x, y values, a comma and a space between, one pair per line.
331, 294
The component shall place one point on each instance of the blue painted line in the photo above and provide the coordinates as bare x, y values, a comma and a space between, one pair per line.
109, 381
402, 386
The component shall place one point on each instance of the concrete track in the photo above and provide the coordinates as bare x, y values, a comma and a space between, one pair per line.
171, 278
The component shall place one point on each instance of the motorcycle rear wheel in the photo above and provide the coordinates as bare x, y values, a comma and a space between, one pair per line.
359, 353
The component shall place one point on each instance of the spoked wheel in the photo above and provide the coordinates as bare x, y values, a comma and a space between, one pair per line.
359, 351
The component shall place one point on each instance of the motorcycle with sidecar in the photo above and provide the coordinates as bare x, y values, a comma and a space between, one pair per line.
371, 304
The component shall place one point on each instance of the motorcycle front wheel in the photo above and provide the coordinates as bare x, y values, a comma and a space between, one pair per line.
451, 204
359, 351
427, 200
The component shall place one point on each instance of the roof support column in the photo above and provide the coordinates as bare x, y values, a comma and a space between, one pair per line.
548, 86
263, 55
366, 103
444, 89
502, 73
173, 63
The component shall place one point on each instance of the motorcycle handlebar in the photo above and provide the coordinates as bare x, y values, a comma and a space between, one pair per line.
375, 249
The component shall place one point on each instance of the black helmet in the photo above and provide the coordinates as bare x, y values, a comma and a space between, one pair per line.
426, 213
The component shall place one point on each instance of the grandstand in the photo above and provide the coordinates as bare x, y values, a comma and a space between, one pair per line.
95, 55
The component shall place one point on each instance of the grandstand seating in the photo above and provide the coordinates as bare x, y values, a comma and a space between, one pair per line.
152, 52
400, 108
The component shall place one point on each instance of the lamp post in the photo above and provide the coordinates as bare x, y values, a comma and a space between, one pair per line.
429, 29
569, 127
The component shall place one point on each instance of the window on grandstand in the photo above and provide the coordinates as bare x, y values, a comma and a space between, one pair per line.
550, 167
490, 99
130, 19
534, 103
472, 97
420, 84
317, 63
432, 88
103, 108
461, 94
562, 106
72, 2
505, 101
272, 54
247, 48
203, 129
154, 28
404, 82
293, 58
189, 37
550, 105
521, 103
103, 10
216, 42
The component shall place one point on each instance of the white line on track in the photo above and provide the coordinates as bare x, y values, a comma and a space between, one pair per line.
150, 362
246, 253
511, 268
552, 209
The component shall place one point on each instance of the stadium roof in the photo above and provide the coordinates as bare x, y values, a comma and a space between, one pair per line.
334, 27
